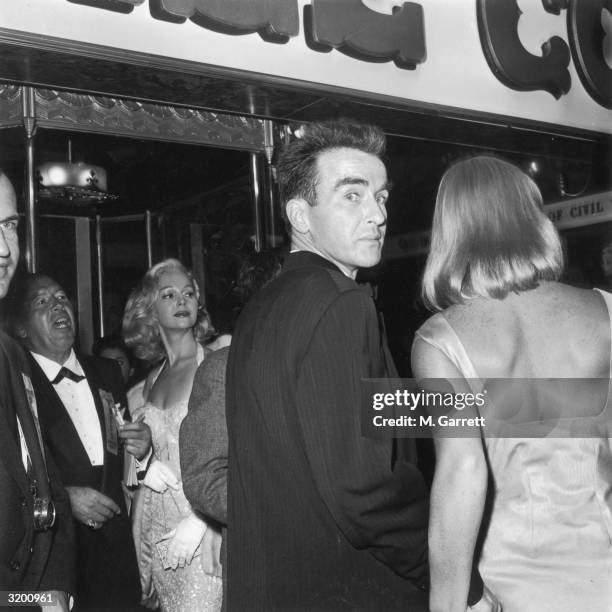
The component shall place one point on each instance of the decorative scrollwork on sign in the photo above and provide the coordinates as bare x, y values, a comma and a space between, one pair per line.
510, 62
358, 31
589, 24
118, 6
68, 110
275, 20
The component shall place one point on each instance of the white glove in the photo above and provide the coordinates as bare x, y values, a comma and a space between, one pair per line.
160, 476
184, 540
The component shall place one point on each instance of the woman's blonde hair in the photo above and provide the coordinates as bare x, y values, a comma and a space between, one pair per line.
489, 234
140, 328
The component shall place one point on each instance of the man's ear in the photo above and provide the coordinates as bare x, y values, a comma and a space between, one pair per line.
21, 332
296, 210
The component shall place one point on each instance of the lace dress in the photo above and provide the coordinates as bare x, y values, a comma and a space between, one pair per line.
185, 589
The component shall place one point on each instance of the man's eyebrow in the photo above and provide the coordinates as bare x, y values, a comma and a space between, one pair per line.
358, 180
11, 218
350, 180
31, 295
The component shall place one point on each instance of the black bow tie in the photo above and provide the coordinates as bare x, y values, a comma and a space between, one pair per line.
66, 373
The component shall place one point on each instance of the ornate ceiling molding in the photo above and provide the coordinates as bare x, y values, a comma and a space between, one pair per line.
66, 110
11, 113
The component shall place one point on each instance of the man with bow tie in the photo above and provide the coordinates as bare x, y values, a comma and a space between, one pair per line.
79, 397
36, 531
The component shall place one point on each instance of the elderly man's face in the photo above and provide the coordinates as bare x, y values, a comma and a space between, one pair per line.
9, 244
49, 326
348, 223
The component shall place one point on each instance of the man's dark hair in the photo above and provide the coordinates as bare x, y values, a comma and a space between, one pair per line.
297, 162
17, 296
114, 341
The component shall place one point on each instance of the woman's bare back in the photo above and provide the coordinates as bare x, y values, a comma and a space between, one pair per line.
553, 331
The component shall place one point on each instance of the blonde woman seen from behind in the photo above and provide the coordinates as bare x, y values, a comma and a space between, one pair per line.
178, 551
492, 275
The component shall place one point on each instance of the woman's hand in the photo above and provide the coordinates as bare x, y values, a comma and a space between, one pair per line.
160, 476
488, 603
186, 538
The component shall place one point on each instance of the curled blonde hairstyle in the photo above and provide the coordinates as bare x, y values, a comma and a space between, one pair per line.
140, 328
489, 235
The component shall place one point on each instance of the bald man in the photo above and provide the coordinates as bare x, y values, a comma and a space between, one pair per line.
36, 532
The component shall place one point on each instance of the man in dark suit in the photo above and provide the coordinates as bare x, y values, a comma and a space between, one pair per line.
36, 552
79, 397
320, 517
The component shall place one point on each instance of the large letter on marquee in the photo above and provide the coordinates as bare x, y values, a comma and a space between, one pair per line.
586, 36
119, 6
275, 20
510, 62
358, 31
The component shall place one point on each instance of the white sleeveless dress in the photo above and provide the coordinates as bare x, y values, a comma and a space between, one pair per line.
548, 545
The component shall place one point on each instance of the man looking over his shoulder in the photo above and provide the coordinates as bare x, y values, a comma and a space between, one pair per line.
36, 531
320, 517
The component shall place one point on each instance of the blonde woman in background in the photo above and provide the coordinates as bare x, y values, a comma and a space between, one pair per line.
178, 551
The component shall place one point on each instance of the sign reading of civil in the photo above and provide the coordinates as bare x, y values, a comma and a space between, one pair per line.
595, 208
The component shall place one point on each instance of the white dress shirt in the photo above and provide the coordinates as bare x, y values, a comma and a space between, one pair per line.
79, 402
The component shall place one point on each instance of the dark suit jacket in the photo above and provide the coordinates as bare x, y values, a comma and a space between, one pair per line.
319, 517
203, 440
29, 560
203, 445
107, 575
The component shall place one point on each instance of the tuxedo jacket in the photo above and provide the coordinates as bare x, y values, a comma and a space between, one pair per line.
29, 560
107, 572
319, 516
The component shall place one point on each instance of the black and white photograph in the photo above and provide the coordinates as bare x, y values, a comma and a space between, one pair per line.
306, 305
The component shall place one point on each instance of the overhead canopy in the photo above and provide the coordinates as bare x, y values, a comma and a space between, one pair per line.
462, 71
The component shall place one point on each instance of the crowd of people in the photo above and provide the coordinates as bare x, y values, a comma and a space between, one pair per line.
237, 475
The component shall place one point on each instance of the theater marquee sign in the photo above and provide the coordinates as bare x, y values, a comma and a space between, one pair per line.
371, 36
546, 60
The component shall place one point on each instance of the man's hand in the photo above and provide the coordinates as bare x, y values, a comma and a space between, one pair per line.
160, 476
91, 507
488, 603
211, 552
63, 602
137, 438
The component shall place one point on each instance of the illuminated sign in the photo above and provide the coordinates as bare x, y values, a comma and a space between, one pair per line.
577, 212
568, 214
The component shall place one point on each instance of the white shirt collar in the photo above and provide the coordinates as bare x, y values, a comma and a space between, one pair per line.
51, 368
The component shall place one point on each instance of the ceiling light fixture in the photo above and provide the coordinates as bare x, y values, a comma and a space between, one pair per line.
73, 182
